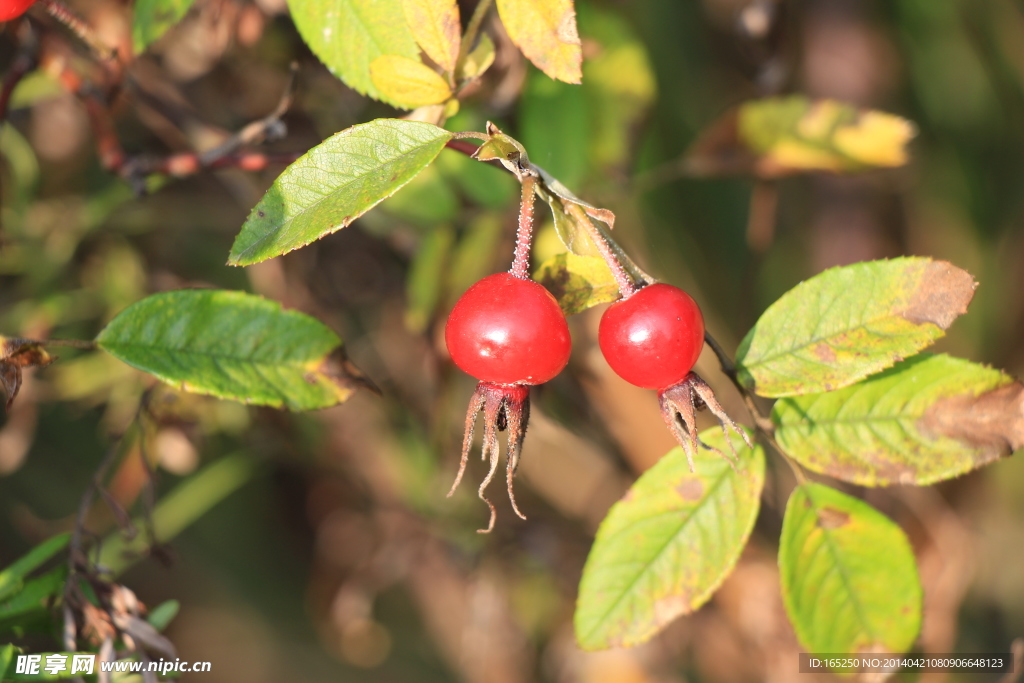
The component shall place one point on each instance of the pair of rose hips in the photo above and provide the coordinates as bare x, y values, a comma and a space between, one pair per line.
509, 330
509, 333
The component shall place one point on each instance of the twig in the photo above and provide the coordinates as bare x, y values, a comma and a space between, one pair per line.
73, 343
763, 424
764, 200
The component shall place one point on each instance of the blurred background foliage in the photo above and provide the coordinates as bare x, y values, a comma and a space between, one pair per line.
339, 558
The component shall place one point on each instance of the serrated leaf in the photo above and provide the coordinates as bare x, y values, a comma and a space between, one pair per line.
435, 26
849, 581
152, 18
664, 548
545, 30
780, 136
847, 323
924, 420
233, 345
577, 282
409, 83
478, 60
11, 578
347, 35
334, 183
34, 596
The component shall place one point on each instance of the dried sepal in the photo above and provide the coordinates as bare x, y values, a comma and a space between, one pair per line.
679, 406
506, 408
16, 354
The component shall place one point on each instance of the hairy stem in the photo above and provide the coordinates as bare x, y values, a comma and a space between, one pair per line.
524, 235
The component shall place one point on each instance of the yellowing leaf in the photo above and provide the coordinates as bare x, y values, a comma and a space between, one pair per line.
545, 30
796, 134
878, 139
347, 35
578, 282
435, 26
407, 82
478, 60
780, 136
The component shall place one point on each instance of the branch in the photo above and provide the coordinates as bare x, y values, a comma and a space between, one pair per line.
763, 424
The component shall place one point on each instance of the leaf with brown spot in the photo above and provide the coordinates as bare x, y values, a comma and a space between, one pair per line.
667, 546
849, 580
16, 354
848, 323
545, 30
927, 419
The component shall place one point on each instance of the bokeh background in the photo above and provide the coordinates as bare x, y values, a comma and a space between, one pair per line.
331, 553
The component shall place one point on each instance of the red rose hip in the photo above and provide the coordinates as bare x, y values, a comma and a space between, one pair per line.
10, 9
653, 338
507, 330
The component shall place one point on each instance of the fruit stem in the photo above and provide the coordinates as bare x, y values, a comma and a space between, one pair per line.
524, 235
627, 287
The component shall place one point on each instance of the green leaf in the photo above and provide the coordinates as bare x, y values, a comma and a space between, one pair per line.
7, 653
161, 615
554, 122
426, 276
347, 35
232, 345
478, 60
187, 502
427, 201
11, 578
924, 420
847, 323
152, 18
334, 183
849, 581
435, 26
409, 83
33, 597
578, 282
546, 33
667, 546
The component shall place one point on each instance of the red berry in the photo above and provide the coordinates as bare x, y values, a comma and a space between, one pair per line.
653, 338
508, 330
9, 9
